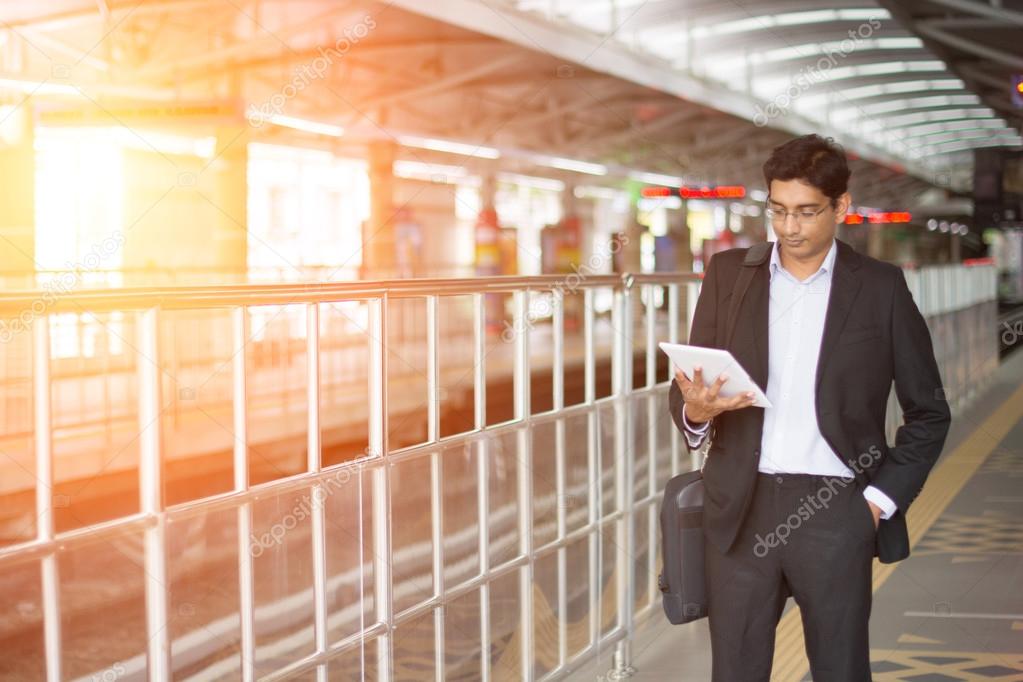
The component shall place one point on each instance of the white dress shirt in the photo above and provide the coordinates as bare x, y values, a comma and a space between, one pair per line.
791, 441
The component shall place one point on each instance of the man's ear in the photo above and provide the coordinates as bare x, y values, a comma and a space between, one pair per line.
842, 205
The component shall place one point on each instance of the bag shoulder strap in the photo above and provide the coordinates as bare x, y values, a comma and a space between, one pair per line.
755, 256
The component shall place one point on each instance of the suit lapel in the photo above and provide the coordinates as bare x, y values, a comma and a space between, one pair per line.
749, 341
845, 286
760, 299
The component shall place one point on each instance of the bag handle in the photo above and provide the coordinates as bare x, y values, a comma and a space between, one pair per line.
755, 255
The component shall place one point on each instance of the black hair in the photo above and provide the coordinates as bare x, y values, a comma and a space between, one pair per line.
813, 159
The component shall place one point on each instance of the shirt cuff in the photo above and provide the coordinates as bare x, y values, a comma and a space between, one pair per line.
694, 434
881, 500
689, 425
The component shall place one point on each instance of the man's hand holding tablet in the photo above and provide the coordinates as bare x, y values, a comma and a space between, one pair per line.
702, 400
727, 385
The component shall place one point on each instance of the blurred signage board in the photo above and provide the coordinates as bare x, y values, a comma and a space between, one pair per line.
881, 217
704, 192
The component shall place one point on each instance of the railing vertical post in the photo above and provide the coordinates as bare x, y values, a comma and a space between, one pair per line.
624, 470
564, 504
692, 296
151, 496
437, 533
436, 476
650, 310
524, 476
558, 350
479, 352
432, 370
590, 360
246, 592
673, 313
522, 371
50, 576
652, 399
479, 325
560, 488
436, 480
594, 472
378, 309
483, 509
314, 464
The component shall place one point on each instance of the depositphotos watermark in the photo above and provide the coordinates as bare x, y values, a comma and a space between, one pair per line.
811, 504
570, 284
1012, 334
114, 672
301, 511
312, 71
814, 73
61, 285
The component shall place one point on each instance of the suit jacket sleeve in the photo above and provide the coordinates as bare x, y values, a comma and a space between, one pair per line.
703, 333
926, 417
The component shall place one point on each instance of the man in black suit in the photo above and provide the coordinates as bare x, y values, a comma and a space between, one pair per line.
800, 496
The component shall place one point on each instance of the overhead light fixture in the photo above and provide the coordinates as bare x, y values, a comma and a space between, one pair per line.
574, 165
881, 68
597, 192
38, 87
656, 179
306, 125
433, 172
673, 201
449, 146
549, 184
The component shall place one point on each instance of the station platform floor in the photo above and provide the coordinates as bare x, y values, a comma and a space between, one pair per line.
951, 611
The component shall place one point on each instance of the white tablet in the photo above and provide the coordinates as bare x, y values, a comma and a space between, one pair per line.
714, 361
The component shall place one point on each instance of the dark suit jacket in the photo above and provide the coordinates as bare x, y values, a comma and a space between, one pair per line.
873, 334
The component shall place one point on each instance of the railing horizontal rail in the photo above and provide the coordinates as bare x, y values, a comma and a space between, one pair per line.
190, 297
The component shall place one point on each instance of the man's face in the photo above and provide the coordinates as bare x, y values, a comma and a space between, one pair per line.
804, 235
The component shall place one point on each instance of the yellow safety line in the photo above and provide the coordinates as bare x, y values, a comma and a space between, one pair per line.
944, 483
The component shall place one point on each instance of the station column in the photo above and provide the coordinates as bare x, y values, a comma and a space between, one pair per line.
378, 245
232, 192
17, 196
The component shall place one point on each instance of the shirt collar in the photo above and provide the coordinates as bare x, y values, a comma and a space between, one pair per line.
827, 266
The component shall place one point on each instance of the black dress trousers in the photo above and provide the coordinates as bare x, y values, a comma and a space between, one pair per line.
806, 536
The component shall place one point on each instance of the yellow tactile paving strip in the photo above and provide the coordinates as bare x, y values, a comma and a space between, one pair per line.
945, 482
988, 534
949, 665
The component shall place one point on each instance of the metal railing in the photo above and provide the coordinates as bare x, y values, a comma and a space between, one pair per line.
516, 550
421, 558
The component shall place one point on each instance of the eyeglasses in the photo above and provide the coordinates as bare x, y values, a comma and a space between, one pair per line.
803, 217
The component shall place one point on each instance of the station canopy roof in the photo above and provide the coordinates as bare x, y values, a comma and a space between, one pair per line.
686, 91
926, 85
